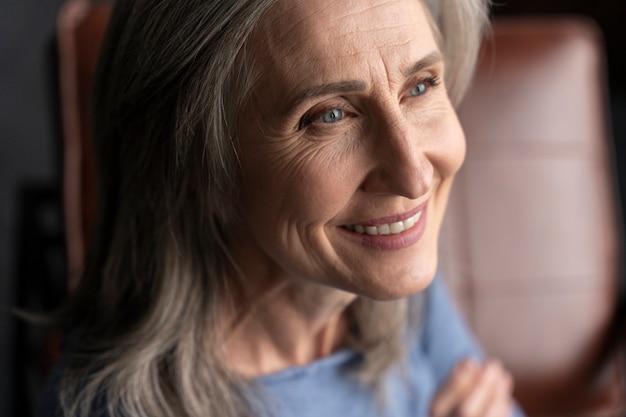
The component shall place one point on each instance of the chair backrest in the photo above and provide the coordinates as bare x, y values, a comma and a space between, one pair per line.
531, 241
530, 244
80, 30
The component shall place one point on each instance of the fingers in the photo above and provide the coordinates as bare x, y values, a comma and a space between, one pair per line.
502, 401
455, 389
502, 407
491, 393
475, 390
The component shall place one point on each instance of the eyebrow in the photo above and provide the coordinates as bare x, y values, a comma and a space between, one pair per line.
431, 59
327, 89
359, 85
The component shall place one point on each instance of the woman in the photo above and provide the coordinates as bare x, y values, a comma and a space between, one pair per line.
273, 175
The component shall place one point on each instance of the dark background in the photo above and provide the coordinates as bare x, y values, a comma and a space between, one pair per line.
31, 250
28, 169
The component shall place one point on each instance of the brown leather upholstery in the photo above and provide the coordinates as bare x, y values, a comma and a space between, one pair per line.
531, 241
81, 26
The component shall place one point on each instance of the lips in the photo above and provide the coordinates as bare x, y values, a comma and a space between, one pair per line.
386, 228
392, 232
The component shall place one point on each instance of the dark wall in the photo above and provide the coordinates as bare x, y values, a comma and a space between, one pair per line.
27, 157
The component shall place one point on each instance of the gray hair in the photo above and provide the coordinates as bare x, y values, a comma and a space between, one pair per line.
171, 78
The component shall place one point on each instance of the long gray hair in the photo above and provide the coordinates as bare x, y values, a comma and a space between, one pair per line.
149, 311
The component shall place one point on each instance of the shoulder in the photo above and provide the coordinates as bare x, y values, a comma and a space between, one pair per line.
49, 404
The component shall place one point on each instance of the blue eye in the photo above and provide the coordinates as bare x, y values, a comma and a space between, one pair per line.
419, 89
332, 116
423, 86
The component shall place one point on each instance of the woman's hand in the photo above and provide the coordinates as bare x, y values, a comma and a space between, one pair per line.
475, 390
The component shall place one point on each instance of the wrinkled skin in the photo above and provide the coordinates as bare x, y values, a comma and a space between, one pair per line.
348, 125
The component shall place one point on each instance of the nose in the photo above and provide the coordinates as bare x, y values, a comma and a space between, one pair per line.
399, 161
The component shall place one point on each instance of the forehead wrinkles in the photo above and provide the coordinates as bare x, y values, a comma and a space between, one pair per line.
292, 26
299, 44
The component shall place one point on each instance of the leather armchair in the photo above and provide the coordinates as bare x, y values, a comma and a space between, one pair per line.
532, 241
80, 30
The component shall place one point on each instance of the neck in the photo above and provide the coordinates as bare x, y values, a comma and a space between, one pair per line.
291, 324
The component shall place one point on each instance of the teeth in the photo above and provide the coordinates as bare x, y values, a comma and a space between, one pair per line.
397, 227
371, 230
386, 229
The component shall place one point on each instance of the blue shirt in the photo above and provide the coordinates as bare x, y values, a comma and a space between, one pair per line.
327, 388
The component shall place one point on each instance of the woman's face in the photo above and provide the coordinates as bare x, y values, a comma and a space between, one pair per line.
348, 147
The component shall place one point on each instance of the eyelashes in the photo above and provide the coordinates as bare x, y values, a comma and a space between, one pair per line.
329, 115
332, 114
424, 85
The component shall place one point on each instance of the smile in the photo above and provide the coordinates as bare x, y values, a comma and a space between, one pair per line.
386, 229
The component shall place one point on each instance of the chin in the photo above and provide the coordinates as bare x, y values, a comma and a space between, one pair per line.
403, 285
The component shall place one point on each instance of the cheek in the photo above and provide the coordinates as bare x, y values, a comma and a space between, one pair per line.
296, 182
448, 150
451, 154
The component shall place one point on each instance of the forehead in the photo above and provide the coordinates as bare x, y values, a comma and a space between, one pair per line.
314, 41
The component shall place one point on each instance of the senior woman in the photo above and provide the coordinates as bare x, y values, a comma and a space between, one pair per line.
272, 179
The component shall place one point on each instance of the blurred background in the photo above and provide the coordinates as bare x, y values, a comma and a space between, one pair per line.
31, 250
32, 260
